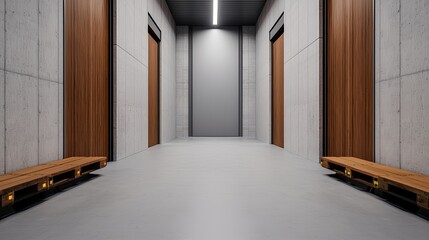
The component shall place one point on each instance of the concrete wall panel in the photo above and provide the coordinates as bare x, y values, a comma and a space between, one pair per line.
414, 36
303, 74
21, 121
402, 64
22, 36
415, 122
2, 33
389, 122
48, 121
48, 40
130, 77
2, 126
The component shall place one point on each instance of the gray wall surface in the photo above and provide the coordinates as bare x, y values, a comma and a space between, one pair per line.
31, 83
249, 81
302, 72
215, 82
402, 84
130, 73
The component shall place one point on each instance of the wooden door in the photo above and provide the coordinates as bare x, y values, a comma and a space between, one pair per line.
278, 92
153, 92
86, 82
350, 82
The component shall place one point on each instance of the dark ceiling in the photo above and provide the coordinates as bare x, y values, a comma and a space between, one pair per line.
231, 12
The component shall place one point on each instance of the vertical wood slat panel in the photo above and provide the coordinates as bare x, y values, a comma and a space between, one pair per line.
86, 80
350, 79
278, 92
153, 88
363, 82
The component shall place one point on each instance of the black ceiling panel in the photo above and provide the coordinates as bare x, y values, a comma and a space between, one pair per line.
231, 12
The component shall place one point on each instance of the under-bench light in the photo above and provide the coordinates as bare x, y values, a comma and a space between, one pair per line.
215, 6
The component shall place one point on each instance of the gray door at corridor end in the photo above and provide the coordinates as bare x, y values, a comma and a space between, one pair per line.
215, 87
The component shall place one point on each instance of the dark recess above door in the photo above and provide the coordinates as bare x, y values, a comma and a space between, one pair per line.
231, 12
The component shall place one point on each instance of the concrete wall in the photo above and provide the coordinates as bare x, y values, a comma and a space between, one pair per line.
402, 84
31, 83
131, 73
182, 80
303, 75
249, 82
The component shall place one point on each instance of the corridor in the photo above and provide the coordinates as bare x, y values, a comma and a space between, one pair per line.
214, 189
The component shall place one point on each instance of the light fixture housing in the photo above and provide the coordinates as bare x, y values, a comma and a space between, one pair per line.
215, 8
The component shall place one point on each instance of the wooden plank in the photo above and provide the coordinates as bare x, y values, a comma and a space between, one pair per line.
76, 160
57, 170
350, 80
86, 77
88, 160
34, 169
65, 161
278, 92
20, 182
6, 177
153, 90
380, 167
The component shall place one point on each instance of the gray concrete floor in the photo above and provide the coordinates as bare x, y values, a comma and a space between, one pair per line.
220, 189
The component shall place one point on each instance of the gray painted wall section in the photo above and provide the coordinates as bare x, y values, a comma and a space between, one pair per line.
402, 84
131, 75
31, 83
215, 82
302, 71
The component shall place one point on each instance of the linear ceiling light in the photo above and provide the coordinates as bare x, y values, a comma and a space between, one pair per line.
215, 12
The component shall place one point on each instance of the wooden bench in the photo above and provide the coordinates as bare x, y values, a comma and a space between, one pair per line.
409, 186
27, 182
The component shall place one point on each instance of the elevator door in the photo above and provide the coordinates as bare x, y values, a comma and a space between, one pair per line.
215, 83
350, 83
86, 80
278, 92
153, 101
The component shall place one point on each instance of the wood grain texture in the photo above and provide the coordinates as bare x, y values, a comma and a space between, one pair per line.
350, 80
153, 101
278, 93
86, 82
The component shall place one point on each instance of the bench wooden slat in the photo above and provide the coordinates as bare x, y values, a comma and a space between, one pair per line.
379, 166
34, 169
66, 160
6, 177
89, 160
57, 170
20, 182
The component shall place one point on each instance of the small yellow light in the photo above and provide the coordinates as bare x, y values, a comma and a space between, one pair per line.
51, 181
78, 172
10, 197
375, 182
105, 163
43, 185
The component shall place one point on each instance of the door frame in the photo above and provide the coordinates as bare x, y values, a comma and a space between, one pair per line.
275, 32
155, 32
325, 78
110, 79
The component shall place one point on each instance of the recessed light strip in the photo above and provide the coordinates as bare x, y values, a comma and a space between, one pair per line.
215, 6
